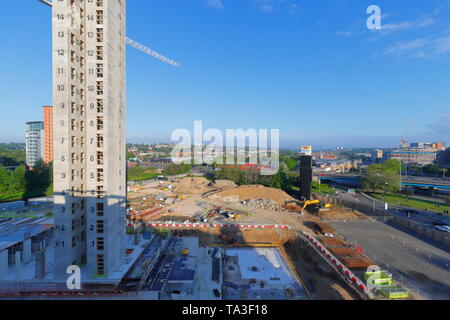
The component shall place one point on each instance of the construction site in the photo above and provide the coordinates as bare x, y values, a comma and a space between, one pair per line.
194, 239
253, 217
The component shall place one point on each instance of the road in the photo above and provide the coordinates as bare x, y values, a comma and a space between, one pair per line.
416, 264
424, 217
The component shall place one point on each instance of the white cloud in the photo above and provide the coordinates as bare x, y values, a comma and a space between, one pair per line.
266, 8
421, 22
216, 4
345, 33
421, 48
291, 6
442, 125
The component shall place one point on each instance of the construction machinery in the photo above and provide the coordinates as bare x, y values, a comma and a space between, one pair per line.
136, 45
299, 206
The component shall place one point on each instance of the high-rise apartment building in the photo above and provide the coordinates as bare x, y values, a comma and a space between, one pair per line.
48, 134
89, 134
34, 142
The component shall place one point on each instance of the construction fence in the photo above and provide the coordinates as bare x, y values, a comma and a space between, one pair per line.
380, 214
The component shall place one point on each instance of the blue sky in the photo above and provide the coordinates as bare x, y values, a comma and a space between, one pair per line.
309, 68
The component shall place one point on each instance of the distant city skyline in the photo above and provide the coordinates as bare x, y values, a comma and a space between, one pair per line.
312, 70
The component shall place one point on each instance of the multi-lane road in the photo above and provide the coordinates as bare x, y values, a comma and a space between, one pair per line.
424, 217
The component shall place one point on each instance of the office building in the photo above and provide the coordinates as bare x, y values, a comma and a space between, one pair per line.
89, 134
48, 134
417, 153
34, 142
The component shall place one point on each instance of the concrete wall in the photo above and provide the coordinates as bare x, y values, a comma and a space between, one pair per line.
3, 263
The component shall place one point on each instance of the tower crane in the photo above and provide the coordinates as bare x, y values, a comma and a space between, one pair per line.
136, 45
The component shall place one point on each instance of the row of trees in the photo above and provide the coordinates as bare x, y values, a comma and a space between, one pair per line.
12, 157
176, 169
22, 183
252, 176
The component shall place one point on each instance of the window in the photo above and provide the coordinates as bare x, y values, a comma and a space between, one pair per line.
100, 192
100, 177
99, 16
100, 244
99, 88
100, 35
100, 142
99, 70
100, 264
100, 226
99, 105
99, 52
99, 123
100, 209
100, 158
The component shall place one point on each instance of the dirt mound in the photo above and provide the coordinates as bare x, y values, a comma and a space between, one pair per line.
252, 192
222, 184
199, 185
195, 185
338, 214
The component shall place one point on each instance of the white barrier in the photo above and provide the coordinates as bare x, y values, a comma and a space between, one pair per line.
207, 225
346, 271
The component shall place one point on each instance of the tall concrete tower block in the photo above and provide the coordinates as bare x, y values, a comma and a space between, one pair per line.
305, 177
89, 66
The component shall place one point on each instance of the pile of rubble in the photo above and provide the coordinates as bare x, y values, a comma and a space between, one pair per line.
262, 204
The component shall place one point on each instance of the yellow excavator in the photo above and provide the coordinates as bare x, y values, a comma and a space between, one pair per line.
301, 206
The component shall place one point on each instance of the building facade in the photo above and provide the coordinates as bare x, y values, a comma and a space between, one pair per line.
48, 134
34, 142
89, 134
417, 153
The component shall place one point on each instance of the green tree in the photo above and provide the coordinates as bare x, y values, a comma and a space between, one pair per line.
382, 177
37, 181
393, 165
291, 163
276, 181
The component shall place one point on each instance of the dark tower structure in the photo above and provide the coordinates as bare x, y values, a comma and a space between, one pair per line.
305, 177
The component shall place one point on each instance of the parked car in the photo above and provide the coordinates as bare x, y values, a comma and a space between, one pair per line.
443, 228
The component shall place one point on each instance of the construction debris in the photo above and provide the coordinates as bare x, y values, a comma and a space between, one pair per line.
249, 192
262, 204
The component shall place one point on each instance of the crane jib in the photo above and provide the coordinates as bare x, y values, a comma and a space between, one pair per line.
136, 45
